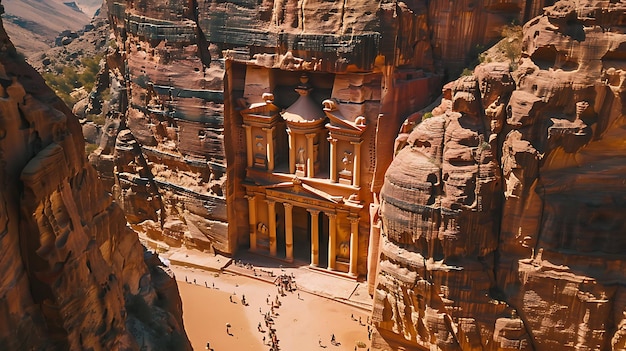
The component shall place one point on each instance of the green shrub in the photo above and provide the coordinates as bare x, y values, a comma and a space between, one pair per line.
97, 119
89, 148
68, 78
467, 72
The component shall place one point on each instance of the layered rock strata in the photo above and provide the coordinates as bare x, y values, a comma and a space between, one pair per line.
501, 218
161, 152
75, 276
169, 65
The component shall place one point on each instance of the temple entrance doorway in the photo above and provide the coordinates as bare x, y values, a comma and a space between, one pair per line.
323, 240
301, 235
280, 230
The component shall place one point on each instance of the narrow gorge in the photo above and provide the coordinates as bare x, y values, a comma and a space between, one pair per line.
463, 160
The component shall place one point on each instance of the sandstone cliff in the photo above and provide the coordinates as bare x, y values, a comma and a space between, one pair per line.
74, 276
168, 168
502, 218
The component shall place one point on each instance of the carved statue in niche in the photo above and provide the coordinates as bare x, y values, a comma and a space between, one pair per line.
301, 162
344, 250
345, 175
301, 155
259, 154
261, 228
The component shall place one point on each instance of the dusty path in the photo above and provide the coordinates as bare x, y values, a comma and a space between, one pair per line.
300, 323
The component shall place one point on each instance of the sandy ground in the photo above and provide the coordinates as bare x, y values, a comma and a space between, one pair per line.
300, 322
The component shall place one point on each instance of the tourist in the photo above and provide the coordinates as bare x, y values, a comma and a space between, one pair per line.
208, 346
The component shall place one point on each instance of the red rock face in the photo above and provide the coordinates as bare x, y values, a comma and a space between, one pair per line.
169, 64
74, 275
502, 216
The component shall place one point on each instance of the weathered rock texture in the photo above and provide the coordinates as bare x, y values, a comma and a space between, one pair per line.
167, 75
502, 218
161, 151
74, 275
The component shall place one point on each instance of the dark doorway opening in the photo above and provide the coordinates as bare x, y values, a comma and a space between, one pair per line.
280, 230
323, 240
301, 235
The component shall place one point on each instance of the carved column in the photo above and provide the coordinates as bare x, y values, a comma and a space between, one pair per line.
315, 257
356, 164
310, 160
271, 210
333, 159
354, 244
252, 220
332, 240
292, 152
249, 144
270, 148
288, 231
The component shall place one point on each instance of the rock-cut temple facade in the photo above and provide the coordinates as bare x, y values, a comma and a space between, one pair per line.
303, 178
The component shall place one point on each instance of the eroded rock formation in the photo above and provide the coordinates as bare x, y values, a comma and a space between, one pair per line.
161, 151
502, 217
74, 275
166, 76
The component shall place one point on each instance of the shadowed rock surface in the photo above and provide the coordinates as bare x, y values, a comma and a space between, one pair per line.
502, 218
74, 276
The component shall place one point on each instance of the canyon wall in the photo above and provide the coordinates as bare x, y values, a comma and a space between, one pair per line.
502, 219
74, 275
173, 148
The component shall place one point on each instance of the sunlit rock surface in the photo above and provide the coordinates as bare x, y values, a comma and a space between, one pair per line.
74, 275
166, 79
502, 218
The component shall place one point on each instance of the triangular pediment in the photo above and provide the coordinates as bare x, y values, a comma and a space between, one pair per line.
297, 187
339, 121
261, 109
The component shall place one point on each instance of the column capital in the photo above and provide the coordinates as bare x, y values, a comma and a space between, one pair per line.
313, 211
310, 135
356, 142
250, 196
247, 126
331, 215
332, 140
353, 219
287, 205
268, 129
270, 202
